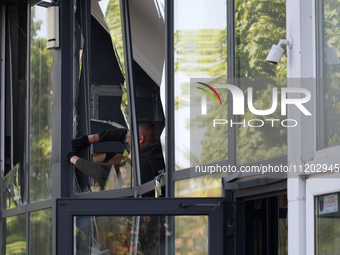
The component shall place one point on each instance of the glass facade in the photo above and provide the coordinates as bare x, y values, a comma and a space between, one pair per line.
16, 235
106, 106
203, 186
40, 113
41, 232
111, 70
13, 194
327, 224
140, 234
257, 25
200, 52
328, 27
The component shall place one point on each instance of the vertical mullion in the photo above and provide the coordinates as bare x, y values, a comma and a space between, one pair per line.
86, 29
127, 40
169, 97
169, 117
62, 175
231, 65
2, 92
28, 103
2, 127
320, 117
65, 118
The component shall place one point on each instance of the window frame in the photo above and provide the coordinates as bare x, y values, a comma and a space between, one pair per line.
316, 186
212, 207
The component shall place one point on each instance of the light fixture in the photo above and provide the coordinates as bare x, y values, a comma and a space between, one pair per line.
276, 51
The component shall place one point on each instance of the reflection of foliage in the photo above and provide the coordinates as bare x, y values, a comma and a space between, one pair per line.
215, 145
16, 235
40, 112
191, 234
118, 233
266, 142
205, 186
330, 118
328, 234
199, 52
113, 20
258, 23
41, 232
332, 111
203, 52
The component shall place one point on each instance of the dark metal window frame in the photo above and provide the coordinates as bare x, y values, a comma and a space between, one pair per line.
68, 208
236, 193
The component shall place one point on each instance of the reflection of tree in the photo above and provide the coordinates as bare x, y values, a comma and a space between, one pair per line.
41, 232
16, 235
258, 25
328, 238
40, 113
113, 20
202, 53
121, 234
270, 140
331, 36
191, 234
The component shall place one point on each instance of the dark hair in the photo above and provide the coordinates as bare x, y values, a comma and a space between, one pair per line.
147, 127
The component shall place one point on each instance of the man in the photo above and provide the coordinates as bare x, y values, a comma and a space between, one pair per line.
151, 156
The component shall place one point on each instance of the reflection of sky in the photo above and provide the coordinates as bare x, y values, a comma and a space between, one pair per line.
103, 5
193, 14
41, 14
200, 14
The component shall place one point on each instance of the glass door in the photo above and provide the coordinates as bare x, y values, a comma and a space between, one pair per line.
257, 219
322, 215
140, 226
263, 225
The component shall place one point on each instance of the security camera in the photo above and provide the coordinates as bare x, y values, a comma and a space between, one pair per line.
276, 51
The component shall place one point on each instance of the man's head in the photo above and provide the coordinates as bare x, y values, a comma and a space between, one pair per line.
147, 133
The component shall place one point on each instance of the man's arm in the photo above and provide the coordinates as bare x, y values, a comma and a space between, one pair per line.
95, 170
117, 134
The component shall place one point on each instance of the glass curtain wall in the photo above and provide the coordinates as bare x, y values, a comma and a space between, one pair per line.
112, 100
16, 235
40, 117
13, 105
104, 94
200, 55
327, 224
209, 54
30, 180
139, 234
258, 25
328, 72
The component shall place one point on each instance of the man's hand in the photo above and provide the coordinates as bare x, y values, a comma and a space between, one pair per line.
69, 156
80, 143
